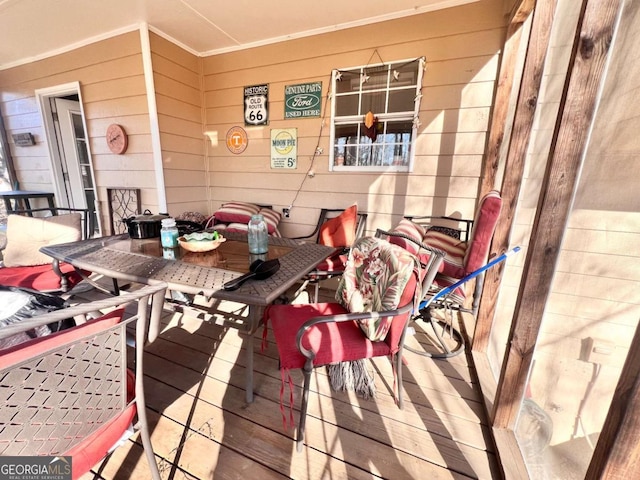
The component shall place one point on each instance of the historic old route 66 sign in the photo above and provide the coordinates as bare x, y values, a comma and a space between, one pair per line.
256, 105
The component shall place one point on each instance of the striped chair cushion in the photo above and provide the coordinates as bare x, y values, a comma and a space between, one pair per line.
454, 249
240, 228
411, 229
271, 218
239, 212
457, 297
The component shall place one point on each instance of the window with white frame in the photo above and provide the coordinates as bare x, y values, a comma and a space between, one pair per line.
374, 116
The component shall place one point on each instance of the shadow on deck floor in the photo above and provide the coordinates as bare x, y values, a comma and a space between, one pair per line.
202, 428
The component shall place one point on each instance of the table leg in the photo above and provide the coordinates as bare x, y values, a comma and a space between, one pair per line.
255, 317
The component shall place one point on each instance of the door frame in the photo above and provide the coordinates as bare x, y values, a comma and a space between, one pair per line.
42, 99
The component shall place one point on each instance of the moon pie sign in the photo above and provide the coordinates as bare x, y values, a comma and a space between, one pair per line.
302, 100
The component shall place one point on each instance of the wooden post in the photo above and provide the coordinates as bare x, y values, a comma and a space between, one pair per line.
515, 162
499, 120
596, 25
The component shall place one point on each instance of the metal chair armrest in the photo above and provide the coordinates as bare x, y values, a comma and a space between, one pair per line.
344, 317
154, 291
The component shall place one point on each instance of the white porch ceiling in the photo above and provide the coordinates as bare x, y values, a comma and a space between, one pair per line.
34, 29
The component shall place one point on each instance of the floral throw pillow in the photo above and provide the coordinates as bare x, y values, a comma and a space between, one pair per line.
375, 277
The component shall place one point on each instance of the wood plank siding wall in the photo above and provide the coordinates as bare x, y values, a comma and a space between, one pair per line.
461, 46
112, 84
177, 80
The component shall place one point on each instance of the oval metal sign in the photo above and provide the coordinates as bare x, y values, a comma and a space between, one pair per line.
303, 100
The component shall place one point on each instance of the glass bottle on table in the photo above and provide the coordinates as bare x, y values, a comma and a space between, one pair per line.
169, 233
258, 236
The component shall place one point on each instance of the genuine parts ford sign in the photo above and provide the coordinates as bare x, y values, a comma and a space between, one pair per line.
303, 100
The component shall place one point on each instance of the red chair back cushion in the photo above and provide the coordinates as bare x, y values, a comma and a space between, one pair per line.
484, 224
341, 230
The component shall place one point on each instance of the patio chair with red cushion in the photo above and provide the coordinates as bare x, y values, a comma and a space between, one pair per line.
376, 296
24, 266
467, 251
70, 393
337, 228
465, 257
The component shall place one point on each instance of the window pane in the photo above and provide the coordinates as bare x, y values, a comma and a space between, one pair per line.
351, 153
347, 105
349, 81
404, 127
87, 182
373, 102
388, 155
402, 100
406, 73
344, 132
377, 78
378, 155
77, 125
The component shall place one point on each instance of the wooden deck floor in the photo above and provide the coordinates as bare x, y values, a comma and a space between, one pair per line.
202, 428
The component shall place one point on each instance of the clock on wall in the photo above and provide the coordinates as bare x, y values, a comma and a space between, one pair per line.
117, 139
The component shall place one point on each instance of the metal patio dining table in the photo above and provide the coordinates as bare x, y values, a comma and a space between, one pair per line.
204, 273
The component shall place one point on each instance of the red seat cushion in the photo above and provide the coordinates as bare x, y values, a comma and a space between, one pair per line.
39, 277
333, 342
332, 264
